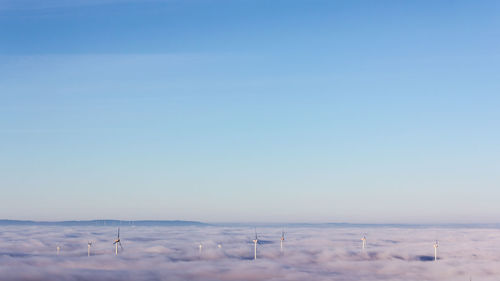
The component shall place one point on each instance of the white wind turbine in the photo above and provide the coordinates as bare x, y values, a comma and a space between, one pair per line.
255, 241
282, 239
58, 249
88, 248
436, 245
364, 242
200, 247
117, 241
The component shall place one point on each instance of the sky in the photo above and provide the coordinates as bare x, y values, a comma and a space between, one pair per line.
250, 111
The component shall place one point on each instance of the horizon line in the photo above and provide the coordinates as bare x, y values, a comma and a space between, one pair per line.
235, 223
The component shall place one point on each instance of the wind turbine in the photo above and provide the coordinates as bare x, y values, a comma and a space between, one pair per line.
58, 249
436, 245
88, 248
255, 241
282, 239
200, 247
117, 241
364, 242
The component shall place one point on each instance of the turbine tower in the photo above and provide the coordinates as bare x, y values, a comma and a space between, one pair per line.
436, 245
58, 249
117, 241
364, 242
88, 248
282, 239
200, 247
255, 241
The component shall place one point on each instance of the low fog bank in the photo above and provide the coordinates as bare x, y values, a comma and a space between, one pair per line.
310, 253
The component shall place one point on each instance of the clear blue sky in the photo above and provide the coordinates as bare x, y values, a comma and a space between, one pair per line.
355, 111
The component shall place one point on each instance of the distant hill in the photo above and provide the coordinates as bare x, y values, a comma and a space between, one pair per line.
105, 223
4, 222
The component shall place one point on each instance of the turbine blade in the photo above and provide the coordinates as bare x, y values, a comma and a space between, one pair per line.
118, 233
121, 247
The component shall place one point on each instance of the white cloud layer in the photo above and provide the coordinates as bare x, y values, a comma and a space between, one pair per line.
171, 253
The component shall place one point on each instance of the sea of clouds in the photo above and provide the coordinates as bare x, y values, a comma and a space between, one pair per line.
310, 253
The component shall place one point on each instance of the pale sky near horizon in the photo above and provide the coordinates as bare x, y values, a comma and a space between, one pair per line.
268, 111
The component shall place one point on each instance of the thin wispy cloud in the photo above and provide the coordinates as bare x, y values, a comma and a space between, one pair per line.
20, 5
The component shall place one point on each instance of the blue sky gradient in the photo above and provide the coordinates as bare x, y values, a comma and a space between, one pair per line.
270, 111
